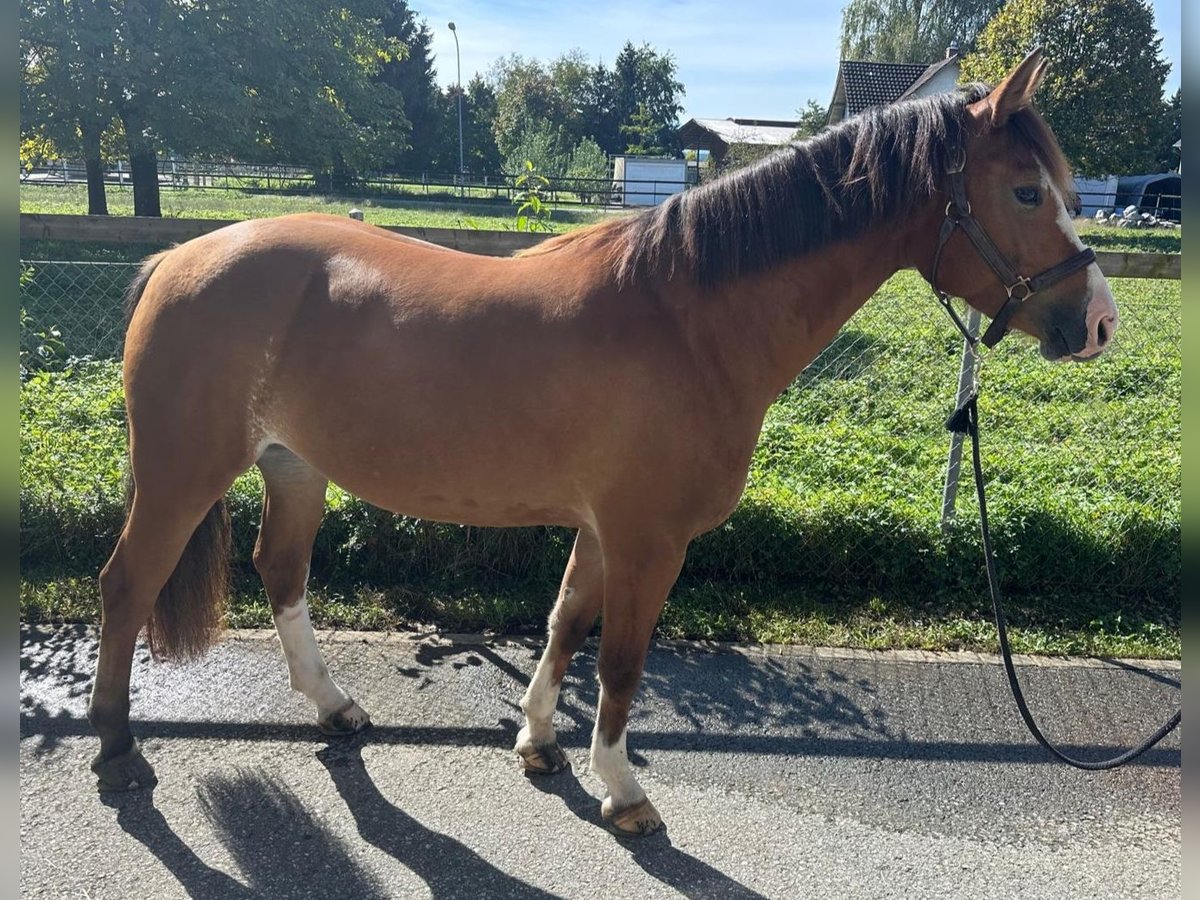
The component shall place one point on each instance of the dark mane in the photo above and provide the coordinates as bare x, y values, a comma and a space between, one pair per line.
869, 170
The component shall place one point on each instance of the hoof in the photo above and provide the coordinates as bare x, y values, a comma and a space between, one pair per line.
350, 719
127, 772
639, 820
546, 759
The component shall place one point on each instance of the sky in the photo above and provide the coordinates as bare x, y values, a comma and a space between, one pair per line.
747, 59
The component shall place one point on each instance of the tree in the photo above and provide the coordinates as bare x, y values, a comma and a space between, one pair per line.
634, 104
283, 79
911, 31
64, 99
812, 119
644, 136
599, 108
1103, 94
1171, 130
646, 98
571, 75
411, 74
478, 114
526, 99
590, 173
542, 144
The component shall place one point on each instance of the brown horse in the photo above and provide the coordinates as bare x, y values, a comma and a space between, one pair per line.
613, 380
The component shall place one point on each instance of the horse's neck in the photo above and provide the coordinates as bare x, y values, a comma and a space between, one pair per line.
774, 323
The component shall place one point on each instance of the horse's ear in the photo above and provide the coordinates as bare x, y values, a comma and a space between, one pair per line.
1017, 90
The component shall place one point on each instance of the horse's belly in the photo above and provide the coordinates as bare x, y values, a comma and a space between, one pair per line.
444, 495
410, 459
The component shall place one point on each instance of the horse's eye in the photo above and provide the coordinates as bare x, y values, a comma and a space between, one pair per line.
1030, 196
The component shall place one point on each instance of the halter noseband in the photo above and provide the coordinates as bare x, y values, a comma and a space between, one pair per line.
1019, 288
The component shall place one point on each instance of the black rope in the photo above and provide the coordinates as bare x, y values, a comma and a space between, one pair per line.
944, 299
966, 420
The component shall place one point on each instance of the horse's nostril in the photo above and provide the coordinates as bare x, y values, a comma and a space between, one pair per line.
1103, 330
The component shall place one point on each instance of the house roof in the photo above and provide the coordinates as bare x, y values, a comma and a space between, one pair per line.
870, 84
706, 134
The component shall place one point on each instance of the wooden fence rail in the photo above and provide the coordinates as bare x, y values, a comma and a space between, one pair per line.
149, 230
146, 230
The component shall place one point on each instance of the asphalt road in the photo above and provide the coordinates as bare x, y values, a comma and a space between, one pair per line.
789, 773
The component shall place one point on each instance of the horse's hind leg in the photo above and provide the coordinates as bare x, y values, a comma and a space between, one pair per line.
574, 613
292, 509
159, 526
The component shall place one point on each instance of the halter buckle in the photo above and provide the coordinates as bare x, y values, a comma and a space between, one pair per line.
953, 211
1022, 285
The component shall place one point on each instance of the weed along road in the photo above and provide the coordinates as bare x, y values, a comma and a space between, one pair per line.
781, 773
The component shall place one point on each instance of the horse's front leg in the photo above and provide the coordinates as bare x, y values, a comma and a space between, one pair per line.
574, 613
638, 574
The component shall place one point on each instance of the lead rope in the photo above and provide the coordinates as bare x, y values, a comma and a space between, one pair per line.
966, 420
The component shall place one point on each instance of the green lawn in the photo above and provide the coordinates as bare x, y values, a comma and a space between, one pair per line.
230, 204
837, 539
195, 203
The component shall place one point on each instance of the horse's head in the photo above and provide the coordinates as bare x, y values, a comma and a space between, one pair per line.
1007, 244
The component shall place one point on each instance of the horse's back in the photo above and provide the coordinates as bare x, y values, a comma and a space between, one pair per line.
407, 373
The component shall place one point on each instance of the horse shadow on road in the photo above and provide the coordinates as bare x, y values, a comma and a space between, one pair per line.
656, 855
275, 841
448, 867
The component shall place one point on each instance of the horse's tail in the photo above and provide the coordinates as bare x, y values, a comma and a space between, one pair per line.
133, 293
189, 613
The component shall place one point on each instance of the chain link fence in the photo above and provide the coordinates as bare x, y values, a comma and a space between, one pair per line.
845, 493
82, 301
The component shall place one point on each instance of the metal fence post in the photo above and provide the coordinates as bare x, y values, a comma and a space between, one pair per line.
965, 377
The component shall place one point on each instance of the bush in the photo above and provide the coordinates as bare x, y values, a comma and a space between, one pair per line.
841, 507
589, 172
541, 145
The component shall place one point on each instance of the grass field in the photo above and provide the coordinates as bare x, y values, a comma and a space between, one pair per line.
836, 541
229, 204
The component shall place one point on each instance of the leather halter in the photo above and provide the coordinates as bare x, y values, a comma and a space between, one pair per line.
1018, 287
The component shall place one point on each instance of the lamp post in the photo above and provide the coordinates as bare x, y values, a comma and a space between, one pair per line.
458, 61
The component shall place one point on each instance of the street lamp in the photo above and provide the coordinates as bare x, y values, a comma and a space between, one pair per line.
458, 60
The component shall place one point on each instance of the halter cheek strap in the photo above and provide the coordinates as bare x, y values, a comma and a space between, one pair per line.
1018, 287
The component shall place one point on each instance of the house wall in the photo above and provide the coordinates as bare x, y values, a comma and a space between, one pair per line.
944, 81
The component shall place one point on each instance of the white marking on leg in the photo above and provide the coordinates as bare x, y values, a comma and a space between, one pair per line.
306, 666
611, 763
541, 697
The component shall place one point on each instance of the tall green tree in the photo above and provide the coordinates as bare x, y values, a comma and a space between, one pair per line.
571, 75
410, 72
64, 93
526, 99
599, 108
479, 112
276, 79
646, 97
911, 31
1103, 94
1171, 130
635, 104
